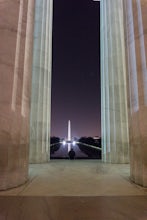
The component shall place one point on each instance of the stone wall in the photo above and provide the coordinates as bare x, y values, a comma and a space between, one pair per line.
16, 28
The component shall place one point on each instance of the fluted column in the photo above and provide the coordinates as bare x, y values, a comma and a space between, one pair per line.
41, 83
114, 112
136, 30
16, 34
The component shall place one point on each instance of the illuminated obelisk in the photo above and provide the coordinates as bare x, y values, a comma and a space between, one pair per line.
69, 135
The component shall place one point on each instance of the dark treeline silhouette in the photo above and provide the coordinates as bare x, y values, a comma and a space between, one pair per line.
55, 145
90, 152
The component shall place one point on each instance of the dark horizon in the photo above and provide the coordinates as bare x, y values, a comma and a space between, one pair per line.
76, 68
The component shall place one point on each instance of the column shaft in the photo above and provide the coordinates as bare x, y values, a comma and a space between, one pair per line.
136, 40
16, 35
41, 83
114, 112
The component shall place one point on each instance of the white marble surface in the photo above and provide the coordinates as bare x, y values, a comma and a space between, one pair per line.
16, 23
41, 83
136, 40
75, 190
114, 111
77, 178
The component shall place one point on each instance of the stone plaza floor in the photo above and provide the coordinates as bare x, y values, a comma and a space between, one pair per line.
75, 190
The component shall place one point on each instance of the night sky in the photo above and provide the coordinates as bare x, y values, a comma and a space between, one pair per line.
76, 68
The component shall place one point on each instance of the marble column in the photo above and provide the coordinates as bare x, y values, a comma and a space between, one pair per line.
136, 40
41, 83
114, 111
16, 35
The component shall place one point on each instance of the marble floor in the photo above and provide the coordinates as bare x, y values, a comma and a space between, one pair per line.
75, 190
